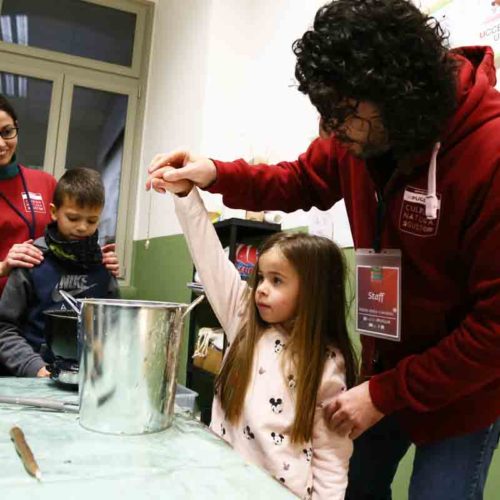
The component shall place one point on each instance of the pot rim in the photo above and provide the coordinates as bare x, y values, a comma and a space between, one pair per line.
134, 303
61, 313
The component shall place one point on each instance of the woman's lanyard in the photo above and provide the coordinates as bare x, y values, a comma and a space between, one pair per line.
31, 226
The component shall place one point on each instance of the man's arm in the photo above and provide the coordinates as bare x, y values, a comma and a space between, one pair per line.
15, 352
310, 181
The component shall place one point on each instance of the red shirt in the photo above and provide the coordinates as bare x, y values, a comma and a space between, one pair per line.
13, 229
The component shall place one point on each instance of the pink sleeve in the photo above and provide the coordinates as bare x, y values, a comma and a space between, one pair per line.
331, 452
225, 289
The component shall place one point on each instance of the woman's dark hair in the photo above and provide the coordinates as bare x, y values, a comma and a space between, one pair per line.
83, 185
386, 52
6, 106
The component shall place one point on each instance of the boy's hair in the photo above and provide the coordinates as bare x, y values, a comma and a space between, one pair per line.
320, 323
81, 184
6, 106
386, 52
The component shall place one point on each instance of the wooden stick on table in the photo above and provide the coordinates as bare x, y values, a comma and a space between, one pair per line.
24, 451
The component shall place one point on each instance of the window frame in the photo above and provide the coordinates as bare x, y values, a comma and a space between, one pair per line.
137, 7
130, 88
26, 67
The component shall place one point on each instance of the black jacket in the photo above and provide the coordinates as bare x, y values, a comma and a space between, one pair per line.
29, 292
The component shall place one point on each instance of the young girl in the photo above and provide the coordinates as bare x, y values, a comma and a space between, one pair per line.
289, 352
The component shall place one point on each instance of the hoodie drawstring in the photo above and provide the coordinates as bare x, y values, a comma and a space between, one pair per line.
431, 200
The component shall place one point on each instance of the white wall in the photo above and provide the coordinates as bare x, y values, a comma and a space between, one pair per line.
175, 99
469, 22
222, 84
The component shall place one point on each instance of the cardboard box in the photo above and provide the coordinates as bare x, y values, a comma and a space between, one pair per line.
212, 362
258, 216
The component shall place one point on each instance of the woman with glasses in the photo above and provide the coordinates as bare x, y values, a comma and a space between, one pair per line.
25, 196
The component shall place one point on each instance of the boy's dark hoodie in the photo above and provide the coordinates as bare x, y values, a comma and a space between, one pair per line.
73, 266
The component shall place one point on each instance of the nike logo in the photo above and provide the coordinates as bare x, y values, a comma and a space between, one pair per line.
57, 297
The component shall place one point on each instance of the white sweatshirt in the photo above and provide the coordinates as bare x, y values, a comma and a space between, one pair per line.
312, 470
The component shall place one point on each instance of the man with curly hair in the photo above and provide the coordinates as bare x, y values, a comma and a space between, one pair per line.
410, 139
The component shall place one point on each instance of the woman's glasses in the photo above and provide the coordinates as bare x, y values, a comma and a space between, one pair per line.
9, 133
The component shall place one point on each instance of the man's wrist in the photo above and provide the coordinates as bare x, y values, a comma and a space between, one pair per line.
214, 180
384, 392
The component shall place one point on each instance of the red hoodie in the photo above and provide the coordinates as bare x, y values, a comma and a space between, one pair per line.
443, 378
13, 229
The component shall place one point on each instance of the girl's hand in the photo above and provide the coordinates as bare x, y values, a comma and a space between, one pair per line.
110, 259
21, 255
157, 181
353, 412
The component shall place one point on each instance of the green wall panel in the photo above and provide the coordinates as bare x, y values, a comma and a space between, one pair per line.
161, 272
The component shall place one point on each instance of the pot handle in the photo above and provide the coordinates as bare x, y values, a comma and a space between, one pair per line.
191, 306
71, 301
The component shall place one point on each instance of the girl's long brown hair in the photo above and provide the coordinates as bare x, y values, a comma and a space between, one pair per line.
320, 322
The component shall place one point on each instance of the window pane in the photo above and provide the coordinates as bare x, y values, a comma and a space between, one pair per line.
30, 98
70, 26
96, 132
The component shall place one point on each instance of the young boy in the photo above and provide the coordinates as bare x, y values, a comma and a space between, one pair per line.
72, 262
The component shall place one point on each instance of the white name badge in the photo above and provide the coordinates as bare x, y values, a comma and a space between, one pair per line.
36, 202
378, 293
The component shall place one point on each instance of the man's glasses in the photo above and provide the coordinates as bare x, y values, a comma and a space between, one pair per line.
9, 133
346, 120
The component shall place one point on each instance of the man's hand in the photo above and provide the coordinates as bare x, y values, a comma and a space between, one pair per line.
186, 167
110, 259
21, 255
156, 181
353, 412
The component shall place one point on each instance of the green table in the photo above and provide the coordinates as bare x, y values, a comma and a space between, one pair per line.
184, 462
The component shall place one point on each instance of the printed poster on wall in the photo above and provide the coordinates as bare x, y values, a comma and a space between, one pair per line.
469, 22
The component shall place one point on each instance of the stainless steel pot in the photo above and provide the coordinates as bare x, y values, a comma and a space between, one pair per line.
128, 366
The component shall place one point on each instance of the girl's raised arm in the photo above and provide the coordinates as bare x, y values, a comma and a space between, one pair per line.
225, 289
